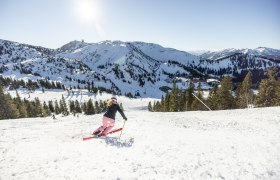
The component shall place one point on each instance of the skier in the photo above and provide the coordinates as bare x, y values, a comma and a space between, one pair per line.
109, 117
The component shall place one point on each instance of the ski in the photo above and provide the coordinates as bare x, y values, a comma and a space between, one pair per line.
92, 137
88, 138
115, 130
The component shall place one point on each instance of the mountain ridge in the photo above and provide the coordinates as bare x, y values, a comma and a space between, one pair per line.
130, 67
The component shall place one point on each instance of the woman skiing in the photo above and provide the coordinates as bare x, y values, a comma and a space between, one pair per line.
109, 117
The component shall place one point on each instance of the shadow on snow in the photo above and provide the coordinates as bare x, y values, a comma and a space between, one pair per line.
114, 141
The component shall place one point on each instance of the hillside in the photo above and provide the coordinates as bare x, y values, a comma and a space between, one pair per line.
231, 144
139, 68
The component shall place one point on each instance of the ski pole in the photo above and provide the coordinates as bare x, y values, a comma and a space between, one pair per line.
122, 130
201, 102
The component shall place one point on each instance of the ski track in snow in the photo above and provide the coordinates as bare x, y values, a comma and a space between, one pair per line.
231, 144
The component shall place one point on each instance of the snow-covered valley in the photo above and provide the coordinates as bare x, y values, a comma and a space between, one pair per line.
230, 144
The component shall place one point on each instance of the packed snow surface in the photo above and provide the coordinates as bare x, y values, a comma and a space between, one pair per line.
231, 144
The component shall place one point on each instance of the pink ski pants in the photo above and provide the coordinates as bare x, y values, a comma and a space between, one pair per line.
108, 124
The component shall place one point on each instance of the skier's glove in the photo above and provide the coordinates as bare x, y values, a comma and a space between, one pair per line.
125, 119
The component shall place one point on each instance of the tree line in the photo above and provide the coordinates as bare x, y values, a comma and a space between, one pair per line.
30, 85
13, 108
225, 96
15, 84
88, 108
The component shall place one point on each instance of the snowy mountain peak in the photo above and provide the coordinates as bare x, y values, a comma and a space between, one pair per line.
73, 45
113, 43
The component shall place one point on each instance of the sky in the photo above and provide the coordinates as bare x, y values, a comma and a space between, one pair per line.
181, 24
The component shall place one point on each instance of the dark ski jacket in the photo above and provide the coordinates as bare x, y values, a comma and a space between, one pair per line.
111, 111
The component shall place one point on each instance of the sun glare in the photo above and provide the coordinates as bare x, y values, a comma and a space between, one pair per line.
86, 10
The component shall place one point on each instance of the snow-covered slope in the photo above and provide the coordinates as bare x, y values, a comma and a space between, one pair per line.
232, 144
129, 67
237, 62
22, 61
269, 53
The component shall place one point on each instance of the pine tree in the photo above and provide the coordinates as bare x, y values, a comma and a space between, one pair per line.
225, 97
84, 107
173, 103
212, 100
7, 107
90, 108
63, 107
78, 107
51, 107
30, 108
20, 106
182, 101
166, 102
72, 107
46, 110
38, 108
245, 94
154, 106
157, 107
162, 102
278, 93
268, 91
176, 100
189, 96
56, 108
97, 108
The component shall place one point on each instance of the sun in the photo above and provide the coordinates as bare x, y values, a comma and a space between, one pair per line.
87, 10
